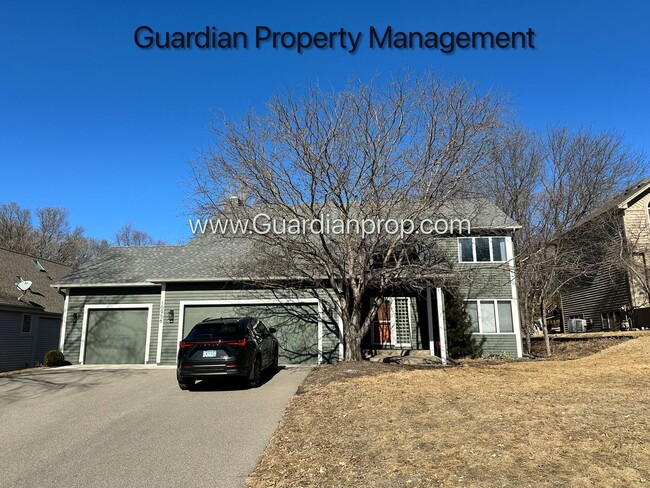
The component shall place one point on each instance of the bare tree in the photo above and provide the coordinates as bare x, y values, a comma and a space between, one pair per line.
403, 151
128, 236
52, 230
50, 239
551, 185
16, 228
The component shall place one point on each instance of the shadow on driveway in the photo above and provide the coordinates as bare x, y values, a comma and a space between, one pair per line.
233, 384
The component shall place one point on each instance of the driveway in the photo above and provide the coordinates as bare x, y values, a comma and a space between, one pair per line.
87, 427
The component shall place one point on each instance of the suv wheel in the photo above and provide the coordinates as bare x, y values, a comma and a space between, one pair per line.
186, 384
276, 360
256, 373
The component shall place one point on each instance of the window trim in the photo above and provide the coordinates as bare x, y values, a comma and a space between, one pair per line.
494, 302
473, 238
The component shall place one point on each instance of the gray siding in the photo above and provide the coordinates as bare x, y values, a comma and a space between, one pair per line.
177, 293
477, 280
15, 348
604, 293
18, 350
499, 343
80, 297
49, 330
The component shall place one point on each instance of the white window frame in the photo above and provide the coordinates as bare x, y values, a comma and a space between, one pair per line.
494, 302
473, 238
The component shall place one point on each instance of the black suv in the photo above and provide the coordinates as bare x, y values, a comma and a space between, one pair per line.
233, 347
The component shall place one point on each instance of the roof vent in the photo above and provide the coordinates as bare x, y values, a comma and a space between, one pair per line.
39, 265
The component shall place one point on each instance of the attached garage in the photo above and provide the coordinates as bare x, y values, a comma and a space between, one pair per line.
297, 325
116, 335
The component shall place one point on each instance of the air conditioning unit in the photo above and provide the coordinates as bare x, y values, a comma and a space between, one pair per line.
577, 325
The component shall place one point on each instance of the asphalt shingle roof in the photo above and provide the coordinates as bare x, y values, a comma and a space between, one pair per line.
41, 295
207, 258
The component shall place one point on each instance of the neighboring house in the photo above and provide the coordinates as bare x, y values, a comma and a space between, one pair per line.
30, 322
617, 295
134, 304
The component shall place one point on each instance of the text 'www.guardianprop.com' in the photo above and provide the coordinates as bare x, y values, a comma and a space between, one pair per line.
264, 224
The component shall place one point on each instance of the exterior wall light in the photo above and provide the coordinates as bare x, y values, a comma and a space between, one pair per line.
170, 315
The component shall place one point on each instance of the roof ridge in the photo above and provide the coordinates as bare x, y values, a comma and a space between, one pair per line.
35, 257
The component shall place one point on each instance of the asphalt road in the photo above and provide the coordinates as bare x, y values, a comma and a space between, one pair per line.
75, 427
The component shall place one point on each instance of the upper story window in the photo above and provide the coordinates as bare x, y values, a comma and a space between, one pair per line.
648, 212
482, 249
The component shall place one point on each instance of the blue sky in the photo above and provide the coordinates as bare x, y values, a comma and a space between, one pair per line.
92, 123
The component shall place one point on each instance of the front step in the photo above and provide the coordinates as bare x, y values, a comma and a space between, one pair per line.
401, 356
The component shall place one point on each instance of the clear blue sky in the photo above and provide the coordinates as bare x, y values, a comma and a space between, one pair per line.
92, 123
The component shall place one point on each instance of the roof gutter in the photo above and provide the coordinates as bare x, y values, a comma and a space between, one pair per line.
101, 285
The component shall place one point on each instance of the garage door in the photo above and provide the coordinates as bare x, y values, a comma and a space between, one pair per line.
116, 336
297, 326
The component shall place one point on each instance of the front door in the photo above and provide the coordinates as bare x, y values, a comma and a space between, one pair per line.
394, 322
382, 325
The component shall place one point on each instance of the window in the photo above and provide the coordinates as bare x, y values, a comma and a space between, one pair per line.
466, 249
482, 249
27, 324
491, 316
472, 310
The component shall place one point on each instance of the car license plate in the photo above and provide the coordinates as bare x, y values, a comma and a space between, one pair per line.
210, 353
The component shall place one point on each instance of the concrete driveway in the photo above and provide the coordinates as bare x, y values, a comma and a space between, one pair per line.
87, 427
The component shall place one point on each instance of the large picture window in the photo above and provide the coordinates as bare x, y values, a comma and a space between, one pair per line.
491, 316
482, 249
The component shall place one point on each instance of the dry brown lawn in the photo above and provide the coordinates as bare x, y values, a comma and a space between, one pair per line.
580, 423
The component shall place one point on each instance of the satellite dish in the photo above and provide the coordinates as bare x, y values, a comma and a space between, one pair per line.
24, 285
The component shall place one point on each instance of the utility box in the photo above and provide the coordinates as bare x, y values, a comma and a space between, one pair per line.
577, 325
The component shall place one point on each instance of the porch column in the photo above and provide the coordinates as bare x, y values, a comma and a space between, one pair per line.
442, 324
432, 343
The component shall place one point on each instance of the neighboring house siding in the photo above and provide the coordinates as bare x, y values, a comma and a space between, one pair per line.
604, 294
498, 344
637, 234
49, 330
15, 348
80, 297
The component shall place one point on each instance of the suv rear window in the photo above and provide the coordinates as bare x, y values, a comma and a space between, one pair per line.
217, 330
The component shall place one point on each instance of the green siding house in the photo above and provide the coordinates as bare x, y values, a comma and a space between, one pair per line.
132, 305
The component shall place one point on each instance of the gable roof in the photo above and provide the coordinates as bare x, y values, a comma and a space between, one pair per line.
41, 296
619, 202
212, 258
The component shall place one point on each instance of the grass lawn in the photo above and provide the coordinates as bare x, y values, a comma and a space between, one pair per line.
574, 423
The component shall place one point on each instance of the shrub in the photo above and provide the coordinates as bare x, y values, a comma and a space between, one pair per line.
54, 358
460, 340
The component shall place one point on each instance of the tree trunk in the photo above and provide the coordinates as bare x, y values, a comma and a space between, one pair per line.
547, 341
353, 336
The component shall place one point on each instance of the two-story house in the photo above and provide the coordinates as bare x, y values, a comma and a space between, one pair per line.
617, 294
134, 304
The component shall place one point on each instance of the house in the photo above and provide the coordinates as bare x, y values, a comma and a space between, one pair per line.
30, 318
617, 294
134, 304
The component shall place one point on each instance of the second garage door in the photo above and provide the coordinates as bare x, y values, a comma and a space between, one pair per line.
297, 326
116, 336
